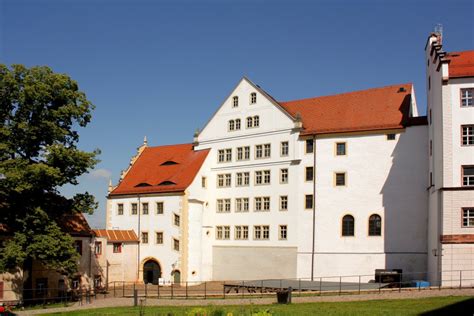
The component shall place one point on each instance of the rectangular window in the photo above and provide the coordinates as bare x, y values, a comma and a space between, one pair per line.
282, 232
266, 176
238, 232
220, 206
340, 149
221, 155
159, 238
78, 246
222, 232
175, 244
340, 179
468, 217
467, 175
284, 175
203, 182
228, 179
98, 247
235, 101
228, 154
243, 179
467, 97
258, 151
253, 98
309, 146
176, 220
134, 208
308, 201
284, 149
467, 135
145, 208
258, 177
266, 203
224, 180
265, 232
309, 174
257, 204
226, 232
391, 136
144, 238
117, 247
227, 205
241, 205
243, 153
159, 208
257, 232
284, 203
120, 209
267, 150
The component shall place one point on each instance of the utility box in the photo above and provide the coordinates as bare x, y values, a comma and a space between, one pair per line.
388, 276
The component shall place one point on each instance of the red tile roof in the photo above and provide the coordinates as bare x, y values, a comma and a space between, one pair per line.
162, 169
114, 235
75, 225
372, 109
461, 64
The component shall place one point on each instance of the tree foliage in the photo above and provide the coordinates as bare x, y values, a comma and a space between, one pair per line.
40, 112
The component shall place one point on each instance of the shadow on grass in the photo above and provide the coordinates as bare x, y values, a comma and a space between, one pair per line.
465, 307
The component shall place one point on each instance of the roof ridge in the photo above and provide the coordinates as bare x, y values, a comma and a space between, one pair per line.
347, 93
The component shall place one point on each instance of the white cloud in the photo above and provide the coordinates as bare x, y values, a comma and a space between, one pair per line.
100, 174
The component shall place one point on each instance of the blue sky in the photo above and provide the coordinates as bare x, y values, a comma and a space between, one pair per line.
161, 68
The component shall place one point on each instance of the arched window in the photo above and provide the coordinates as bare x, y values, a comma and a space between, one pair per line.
348, 225
235, 101
249, 122
237, 124
231, 125
375, 225
256, 121
253, 98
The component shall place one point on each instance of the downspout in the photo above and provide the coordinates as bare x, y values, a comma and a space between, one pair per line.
139, 240
90, 260
314, 207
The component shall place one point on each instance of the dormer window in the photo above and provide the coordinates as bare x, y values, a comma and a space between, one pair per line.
143, 184
169, 163
253, 98
235, 101
167, 183
231, 125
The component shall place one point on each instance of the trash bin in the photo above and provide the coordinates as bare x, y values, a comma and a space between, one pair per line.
284, 296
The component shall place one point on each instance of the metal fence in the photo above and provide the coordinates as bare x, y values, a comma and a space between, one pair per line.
336, 285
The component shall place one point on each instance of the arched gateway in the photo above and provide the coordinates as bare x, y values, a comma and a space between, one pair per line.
151, 272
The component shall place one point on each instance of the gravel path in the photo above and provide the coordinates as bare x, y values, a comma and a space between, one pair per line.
117, 302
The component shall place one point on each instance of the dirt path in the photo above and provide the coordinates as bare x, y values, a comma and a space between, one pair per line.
117, 302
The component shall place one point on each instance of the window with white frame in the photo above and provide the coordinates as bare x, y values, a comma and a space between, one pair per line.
262, 203
284, 175
256, 121
175, 244
284, 149
283, 232
262, 177
231, 125
258, 177
228, 179
223, 205
261, 232
249, 122
222, 232
144, 238
228, 154
120, 209
224, 180
203, 182
253, 98
176, 219
145, 208
134, 208
159, 208
467, 175
468, 217
309, 146
284, 203
235, 101
267, 150
266, 177
159, 238
241, 232
257, 204
241, 205
266, 203
237, 124
243, 153
224, 155
467, 135
243, 179
258, 151
467, 97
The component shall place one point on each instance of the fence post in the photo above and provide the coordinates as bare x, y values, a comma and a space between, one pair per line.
401, 280
146, 289
223, 290
186, 289
114, 288
299, 287
158, 289
340, 284
380, 284
280, 285
261, 289
172, 294
359, 284
134, 289
243, 284
205, 289
320, 285
460, 279
123, 288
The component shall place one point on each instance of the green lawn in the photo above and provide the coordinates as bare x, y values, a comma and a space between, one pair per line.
451, 305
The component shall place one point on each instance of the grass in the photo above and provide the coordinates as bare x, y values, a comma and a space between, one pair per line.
452, 305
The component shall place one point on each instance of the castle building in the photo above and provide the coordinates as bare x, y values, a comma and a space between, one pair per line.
326, 186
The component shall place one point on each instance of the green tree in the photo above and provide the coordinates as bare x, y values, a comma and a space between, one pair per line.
40, 112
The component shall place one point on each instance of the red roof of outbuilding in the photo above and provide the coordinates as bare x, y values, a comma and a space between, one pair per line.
115, 235
170, 168
461, 64
372, 109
